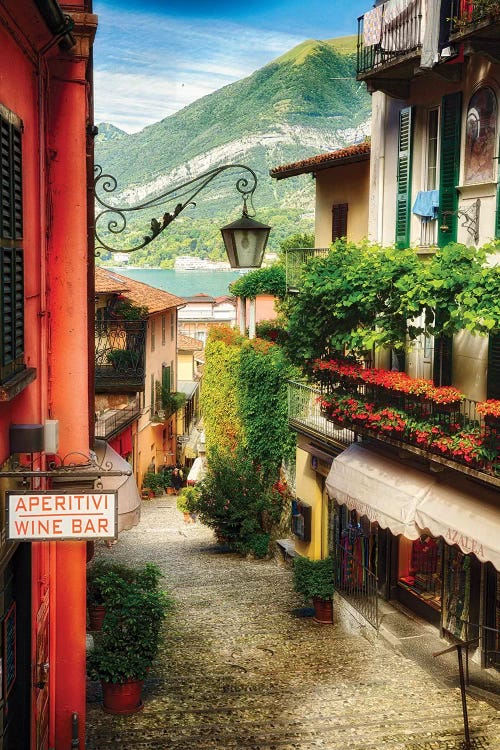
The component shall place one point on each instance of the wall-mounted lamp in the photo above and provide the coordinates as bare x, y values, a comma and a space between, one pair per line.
245, 239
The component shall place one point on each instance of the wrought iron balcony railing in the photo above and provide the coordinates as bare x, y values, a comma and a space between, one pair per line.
454, 435
120, 347
305, 416
113, 421
294, 262
389, 33
477, 21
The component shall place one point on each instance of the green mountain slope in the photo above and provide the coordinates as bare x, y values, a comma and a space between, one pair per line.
303, 103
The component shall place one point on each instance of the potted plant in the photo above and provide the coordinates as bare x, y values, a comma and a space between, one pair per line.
186, 503
314, 580
123, 359
155, 482
130, 637
96, 583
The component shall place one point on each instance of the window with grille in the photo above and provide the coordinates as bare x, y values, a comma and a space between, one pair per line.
339, 220
11, 247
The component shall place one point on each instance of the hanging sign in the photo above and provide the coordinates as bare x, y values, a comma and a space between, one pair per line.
61, 515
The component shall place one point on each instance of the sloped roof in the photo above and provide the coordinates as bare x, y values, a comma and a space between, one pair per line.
188, 343
109, 283
199, 297
156, 300
348, 155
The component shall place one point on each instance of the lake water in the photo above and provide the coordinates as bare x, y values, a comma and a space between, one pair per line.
183, 283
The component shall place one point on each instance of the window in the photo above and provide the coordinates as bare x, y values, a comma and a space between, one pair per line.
432, 149
153, 335
163, 329
339, 220
172, 326
11, 250
480, 136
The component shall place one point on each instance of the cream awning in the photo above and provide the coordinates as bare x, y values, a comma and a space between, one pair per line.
465, 514
129, 501
197, 471
375, 486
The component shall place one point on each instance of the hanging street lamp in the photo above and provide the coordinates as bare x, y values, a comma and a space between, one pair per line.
245, 239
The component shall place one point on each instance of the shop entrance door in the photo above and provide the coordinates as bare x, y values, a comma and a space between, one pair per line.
41, 676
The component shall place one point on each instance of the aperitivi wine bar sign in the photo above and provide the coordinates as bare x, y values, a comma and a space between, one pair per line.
61, 515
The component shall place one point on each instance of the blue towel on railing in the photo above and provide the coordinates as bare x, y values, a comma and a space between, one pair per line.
427, 204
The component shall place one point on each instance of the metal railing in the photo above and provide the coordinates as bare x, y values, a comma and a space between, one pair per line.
295, 259
108, 425
120, 354
304, 415
464, 15
488, 640
399, 35
356, 584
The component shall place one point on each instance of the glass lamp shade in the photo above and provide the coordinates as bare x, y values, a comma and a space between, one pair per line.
245, 241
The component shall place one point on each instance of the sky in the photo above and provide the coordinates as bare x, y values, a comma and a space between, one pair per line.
154, 57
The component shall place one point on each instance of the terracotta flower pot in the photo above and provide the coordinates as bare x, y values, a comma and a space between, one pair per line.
122, 697
96, 616
323, 610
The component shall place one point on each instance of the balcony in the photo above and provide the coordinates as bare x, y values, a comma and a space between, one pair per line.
437, 424
120, 347
306, 417
476, 24
113, 421
295, 260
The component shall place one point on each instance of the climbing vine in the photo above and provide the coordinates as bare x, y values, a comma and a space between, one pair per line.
359, 296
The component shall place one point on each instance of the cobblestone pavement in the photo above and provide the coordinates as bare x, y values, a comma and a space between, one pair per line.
240, 669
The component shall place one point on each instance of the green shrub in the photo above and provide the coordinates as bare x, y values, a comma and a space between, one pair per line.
131, 632
187, 499
236, 500
313, 578
157, 482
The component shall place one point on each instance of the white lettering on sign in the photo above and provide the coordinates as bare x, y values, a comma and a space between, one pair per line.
61, 515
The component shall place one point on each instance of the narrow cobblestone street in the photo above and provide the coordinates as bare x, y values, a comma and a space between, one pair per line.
240, 669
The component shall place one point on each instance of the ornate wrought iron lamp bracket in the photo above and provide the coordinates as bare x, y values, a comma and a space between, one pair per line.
113, 218
470, 219
74, 465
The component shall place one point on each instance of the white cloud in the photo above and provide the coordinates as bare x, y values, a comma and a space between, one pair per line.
178, 62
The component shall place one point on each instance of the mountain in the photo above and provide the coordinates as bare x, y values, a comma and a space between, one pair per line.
303, 103
108, 132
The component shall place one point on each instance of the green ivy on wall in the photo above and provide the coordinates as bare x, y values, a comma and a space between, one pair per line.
269, 280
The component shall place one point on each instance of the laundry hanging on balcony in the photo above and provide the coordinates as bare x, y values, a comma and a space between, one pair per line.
426, 204
372, 26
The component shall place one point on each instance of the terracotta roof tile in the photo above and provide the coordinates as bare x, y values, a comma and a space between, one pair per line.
356, 152
186, 342
156, 300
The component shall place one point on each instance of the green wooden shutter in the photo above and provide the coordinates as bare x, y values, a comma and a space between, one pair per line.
493, 379
497, 215
442, 365
403, 198
165, 378
449, 169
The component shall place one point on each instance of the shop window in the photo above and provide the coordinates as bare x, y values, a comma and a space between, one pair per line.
456, 609
420, 568
480, 136
301, 520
